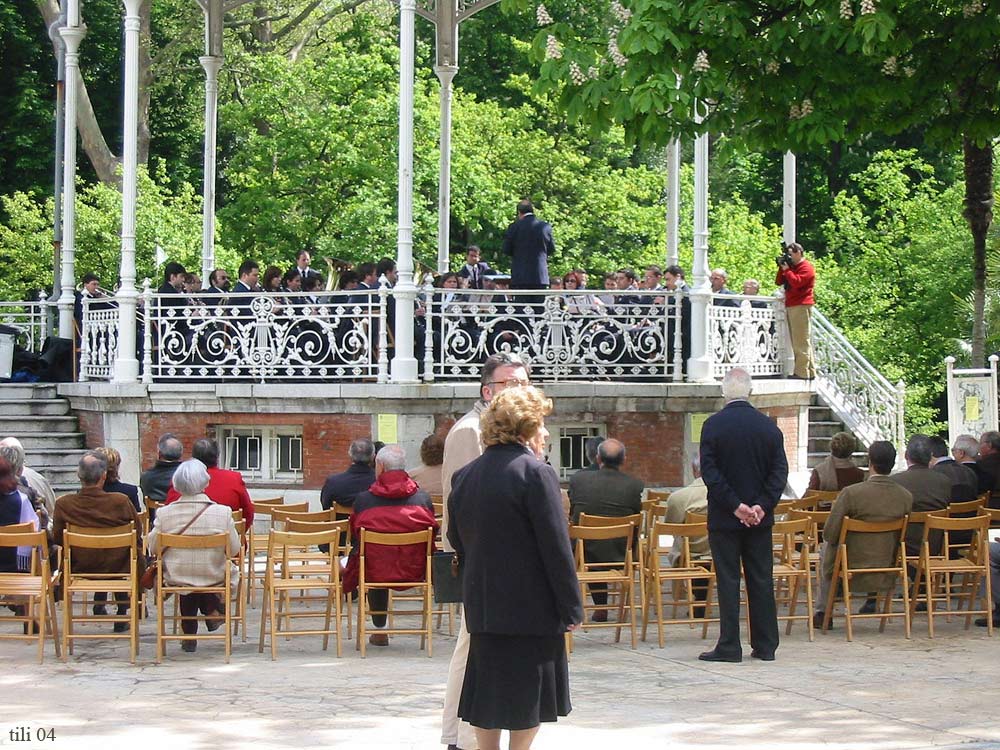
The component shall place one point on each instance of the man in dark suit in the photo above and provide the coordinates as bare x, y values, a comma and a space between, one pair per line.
306, 271
609, 491
474, 270
249, 274
225, 486
966, 452
963, 479
744, 467
529, 243
342, 488
989, 462
931, 490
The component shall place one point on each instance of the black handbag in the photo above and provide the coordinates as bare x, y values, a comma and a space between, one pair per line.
446, 576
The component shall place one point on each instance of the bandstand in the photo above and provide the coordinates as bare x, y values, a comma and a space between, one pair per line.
286, 386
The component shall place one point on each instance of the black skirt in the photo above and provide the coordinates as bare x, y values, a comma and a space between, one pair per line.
515, 681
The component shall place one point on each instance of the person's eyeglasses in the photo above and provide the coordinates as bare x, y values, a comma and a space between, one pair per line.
511, 383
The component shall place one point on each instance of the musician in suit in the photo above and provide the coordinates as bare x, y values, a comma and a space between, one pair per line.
529, 242
474, 270
249, 274
744, 467
302, 261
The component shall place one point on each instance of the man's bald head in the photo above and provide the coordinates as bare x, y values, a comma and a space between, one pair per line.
612, 453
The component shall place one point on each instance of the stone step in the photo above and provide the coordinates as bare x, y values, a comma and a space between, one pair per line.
824, 429
17, 391
20, 425
52, 441
34, 407
56, 459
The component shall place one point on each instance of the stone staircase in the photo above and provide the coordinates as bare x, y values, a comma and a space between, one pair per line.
51, 436
823, 425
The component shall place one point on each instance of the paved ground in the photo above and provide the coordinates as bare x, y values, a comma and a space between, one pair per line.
879, 691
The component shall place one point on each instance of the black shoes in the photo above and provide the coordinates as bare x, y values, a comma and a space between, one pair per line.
818, 620
714, 655
189, 646
763, 657
121, 627
981, 622
100, 610
868, 608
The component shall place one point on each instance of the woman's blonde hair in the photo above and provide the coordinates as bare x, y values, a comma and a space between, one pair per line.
514, 416
113, 459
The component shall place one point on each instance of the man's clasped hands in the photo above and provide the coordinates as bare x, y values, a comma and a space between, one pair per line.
749, 515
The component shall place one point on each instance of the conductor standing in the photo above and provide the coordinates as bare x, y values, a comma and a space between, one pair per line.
529, 243
744, 467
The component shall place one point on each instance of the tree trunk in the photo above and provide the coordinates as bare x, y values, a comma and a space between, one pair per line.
979, 213
92, 137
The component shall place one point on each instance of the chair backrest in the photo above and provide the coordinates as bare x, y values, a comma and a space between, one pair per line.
238, 514
657, 496
125, 528
142, 518
426, 536
852, 525
99, 541
970, 506
28, 527
822, 497
289, 513
784, 507
789, 536
186, 541
976, 524
593, 521
268, 502
592, 533
150, 503
806, 503
342, 510
37, 540
279, 541
694, 517
994, 514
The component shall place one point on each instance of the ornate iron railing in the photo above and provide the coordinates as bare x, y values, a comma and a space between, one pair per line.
867, 403
567, 335
747, 332
30, 319
98, 338
263, 337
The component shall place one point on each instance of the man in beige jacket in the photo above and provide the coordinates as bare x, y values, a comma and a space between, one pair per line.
461, 446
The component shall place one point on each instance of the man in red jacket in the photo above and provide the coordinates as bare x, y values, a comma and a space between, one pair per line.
799, 277
393, 504
225, 487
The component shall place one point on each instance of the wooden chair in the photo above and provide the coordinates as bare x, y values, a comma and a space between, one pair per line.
283, 576
257, 541
823, 498
87, 584
817, 519
298, 512
222, 590
843, 573
33, 589
681, 577
343, 511
638, 544
694, 517
368, 538
791, 570
619, 576
970, 564
342, 550
805, 503
239, 560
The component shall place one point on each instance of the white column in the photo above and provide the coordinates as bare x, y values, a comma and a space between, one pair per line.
445, 74
71, 35
673, 200
788, 197
700, 363
126, 367
404, 364
211, 65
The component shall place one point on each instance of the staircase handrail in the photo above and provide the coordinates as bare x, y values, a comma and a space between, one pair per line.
863, 398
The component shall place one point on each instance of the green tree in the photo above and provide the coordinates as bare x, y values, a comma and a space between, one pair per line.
794, 77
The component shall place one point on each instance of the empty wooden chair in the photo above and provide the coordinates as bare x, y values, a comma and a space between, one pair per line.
618, 576
792, 573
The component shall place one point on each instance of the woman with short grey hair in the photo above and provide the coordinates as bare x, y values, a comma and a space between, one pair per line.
194, 514
837, 470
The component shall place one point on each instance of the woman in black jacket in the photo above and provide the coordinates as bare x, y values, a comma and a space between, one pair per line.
519, 581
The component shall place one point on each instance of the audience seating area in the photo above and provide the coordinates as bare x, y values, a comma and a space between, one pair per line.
293, 559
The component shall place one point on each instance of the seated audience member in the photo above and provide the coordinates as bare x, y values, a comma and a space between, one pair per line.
394, 503
342, 488
606, 492
719, 278
931, 490
112, 482
428, 474
194, 514
31, 483
272, 279
966, 451
94, 507
590, 448
963, 479
878, 499
694, 499
989, 462
225, 487
14, 508
837, 470
155, 482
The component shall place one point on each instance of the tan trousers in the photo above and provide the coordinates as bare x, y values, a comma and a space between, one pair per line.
799, 318
454, 731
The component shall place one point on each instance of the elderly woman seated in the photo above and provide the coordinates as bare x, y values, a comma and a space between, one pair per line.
194, 514
837, 470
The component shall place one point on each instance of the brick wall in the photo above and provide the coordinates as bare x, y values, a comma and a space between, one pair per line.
654, 443
787, 419
325, 437
92, 426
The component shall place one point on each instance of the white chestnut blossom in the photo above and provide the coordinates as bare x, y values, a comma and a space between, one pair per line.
616, 54
542, 16
807, 107
576, 75
701, 62
891, 66
846, 10
794, 113
867, 7
772, 67
973, 8
622, 13
593, 72
553, 50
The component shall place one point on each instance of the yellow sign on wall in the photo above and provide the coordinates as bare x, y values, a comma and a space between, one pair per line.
386, 425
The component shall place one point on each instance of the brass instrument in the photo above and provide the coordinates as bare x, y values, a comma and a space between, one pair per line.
336, 267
